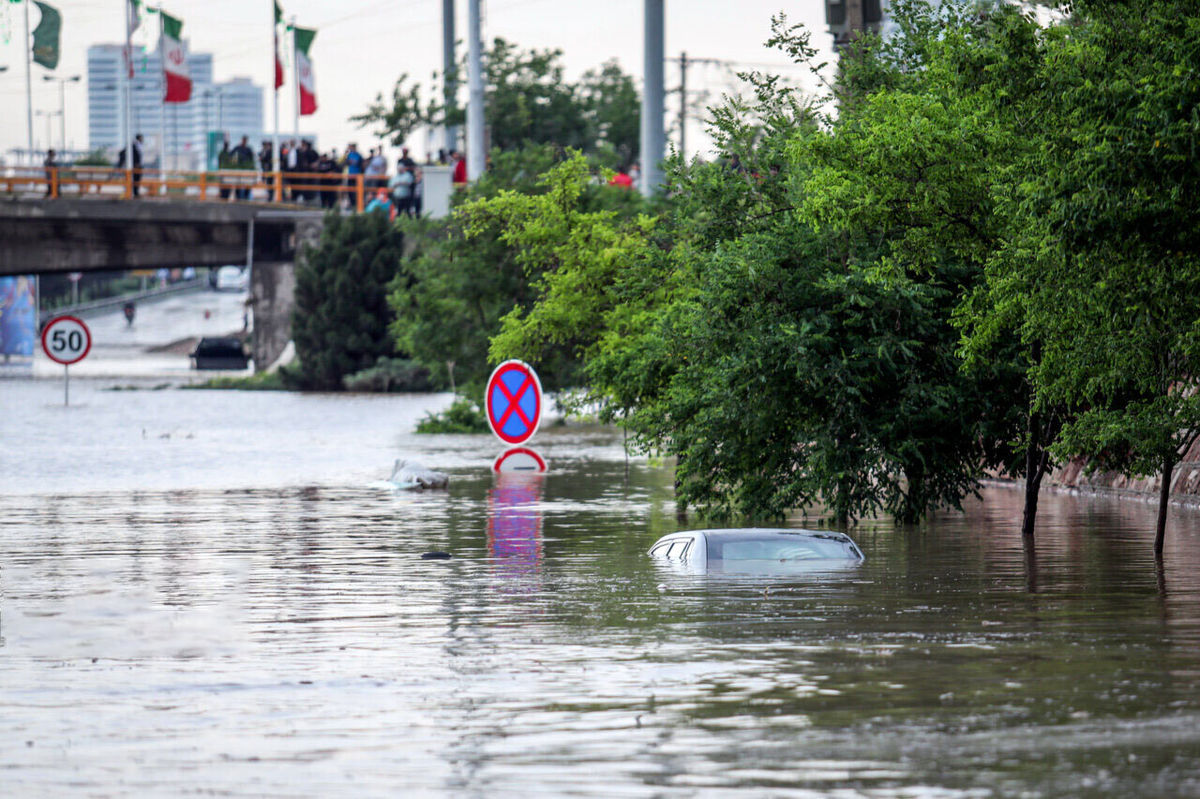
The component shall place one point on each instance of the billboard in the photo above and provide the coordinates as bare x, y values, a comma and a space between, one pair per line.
18, 317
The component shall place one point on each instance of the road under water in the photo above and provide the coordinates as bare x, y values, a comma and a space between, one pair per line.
204, 593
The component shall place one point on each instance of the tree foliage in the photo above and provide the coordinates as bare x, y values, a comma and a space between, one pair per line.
341, 314
774, 352
464, 276
1105, 268
528, 100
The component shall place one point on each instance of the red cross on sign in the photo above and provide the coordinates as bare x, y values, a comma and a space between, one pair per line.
513, 401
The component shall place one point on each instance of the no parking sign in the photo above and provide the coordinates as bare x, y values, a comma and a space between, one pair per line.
513, 402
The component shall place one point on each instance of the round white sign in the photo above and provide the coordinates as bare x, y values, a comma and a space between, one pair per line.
66, 340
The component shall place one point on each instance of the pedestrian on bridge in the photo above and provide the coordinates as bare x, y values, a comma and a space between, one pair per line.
50, 165
137, 163
243, 158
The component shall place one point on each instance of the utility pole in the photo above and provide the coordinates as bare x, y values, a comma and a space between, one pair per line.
29, 83
475, 101
62, 107
684, 63
683, 105
653, 144
449, 68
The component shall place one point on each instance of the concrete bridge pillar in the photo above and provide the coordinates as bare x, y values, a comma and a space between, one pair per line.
272, 297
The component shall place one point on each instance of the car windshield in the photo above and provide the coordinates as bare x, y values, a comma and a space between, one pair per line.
780, 546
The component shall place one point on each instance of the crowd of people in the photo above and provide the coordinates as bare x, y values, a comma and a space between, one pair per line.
324, 178
327, 178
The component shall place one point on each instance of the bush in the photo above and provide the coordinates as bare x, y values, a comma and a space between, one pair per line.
263, 381
390, 374
464, 416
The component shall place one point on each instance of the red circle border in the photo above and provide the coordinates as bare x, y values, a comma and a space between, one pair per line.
503, 369
537, 456
76, 320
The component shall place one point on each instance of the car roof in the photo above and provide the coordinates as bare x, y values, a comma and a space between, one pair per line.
732, 533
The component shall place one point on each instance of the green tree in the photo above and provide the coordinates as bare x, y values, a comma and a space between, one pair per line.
1112, 292
527, 101
463, 276
937, 128
341, 314
788, 325
396, 118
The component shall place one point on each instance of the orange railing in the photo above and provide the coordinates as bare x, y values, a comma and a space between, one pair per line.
217, 186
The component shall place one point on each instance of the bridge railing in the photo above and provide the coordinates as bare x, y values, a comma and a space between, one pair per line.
215, 186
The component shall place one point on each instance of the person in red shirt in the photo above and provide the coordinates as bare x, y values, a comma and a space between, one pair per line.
621, 178
460, 168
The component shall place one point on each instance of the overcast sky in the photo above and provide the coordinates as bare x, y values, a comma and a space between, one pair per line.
363, 45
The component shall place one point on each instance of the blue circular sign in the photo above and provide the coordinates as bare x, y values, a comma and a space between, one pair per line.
513, 401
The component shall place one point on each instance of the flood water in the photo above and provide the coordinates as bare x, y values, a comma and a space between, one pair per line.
208, 593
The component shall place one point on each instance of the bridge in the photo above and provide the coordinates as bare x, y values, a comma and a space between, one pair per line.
106, 233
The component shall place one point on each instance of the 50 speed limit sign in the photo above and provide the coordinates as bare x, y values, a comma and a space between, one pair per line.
66, 340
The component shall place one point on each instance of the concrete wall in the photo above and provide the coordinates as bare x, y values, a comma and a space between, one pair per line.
272, 297
1185, 480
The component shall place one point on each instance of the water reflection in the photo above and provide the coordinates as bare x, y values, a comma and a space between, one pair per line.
272, 629
514, 527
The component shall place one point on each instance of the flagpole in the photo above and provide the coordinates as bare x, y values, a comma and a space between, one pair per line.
277, 163
162, 105
128, 117
29, 83
295, 80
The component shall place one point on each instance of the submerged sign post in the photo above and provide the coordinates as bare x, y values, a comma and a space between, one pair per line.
513, 405
66, 340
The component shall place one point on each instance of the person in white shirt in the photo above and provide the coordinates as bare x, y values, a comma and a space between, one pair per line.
376, 169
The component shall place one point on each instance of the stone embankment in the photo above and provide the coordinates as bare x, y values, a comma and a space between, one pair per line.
1074, 477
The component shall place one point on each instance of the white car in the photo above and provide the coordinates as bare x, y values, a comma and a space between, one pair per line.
757, 549
232, 278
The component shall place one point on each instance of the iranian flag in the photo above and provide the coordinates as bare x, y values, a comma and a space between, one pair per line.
278, 60
174, 61
303, 39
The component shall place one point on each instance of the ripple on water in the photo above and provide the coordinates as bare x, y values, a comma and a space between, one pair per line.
243, 614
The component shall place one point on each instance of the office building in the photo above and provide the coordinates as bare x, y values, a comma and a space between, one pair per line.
845, 17
233, 107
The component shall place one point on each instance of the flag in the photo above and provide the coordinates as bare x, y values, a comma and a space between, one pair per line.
174, 61
303, 39
278, 61
133, 13
45, 36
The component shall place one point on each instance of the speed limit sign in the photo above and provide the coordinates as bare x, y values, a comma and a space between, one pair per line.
66, 340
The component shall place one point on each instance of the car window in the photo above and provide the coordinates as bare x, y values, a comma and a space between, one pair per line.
780, 549
679, 548
660, 550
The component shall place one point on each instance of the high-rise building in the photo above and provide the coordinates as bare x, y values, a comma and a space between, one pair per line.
233, 107
848, 17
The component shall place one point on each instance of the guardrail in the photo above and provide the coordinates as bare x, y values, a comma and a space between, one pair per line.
217, 186
86, 308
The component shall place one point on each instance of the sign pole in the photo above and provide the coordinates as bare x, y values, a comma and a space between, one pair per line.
66, 340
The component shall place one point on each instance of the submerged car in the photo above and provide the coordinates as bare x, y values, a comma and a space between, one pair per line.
231, 278
757, 549
219, 353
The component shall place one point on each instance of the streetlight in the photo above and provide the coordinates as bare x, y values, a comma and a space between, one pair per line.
62, 107
208, 94
48, 115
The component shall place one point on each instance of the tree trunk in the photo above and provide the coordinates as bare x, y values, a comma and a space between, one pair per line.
1164, 501
1034, 469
